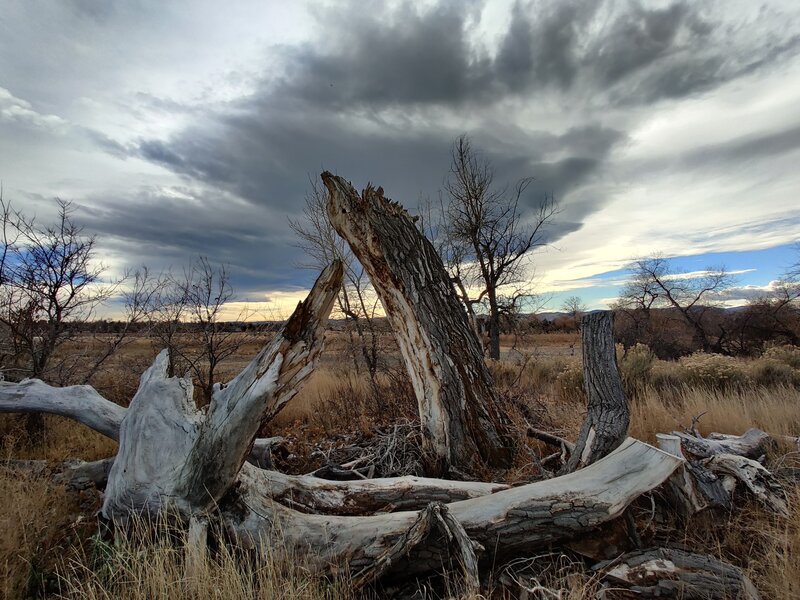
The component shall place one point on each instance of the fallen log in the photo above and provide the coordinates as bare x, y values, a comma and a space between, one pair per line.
764, 486
753, 443
504, 523
673, 573
458, 404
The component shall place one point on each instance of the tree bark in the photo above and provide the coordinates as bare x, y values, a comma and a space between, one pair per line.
505, 523
608, 415
458, 406
673, 573
175, 458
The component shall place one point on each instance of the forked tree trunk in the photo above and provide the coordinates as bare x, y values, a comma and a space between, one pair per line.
176, 458
606, 423
458, 406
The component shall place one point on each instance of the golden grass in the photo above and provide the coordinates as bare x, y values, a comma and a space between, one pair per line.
44, 548
148, 566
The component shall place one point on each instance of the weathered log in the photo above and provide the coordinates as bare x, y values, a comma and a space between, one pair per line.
507, 522
458, 405
79, 402
310, 494
673, 573
753, 443
606, 423
173, 456
761, 483
682, 486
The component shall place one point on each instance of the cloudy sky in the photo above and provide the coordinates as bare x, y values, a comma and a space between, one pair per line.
183, 128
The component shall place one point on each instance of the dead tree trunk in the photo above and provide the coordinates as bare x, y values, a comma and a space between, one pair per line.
458, 406
608, 415
174, 457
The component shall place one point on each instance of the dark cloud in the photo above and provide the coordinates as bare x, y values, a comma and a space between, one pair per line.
622, 52
379, 97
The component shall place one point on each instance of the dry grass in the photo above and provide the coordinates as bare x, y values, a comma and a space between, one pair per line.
46, 549
146, 566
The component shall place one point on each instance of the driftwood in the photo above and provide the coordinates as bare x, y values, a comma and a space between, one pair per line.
607, 416
457, 401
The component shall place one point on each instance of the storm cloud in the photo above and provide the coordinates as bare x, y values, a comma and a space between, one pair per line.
212, 154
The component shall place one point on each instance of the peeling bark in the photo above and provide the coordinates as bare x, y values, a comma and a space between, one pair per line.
458, 406
606, 422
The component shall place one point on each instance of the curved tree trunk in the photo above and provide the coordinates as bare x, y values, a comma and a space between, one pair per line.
458, 406
608, 415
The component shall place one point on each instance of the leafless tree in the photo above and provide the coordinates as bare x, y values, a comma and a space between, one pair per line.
574, 307
489, 237
50, 283
654, 283
322, 246
188, 313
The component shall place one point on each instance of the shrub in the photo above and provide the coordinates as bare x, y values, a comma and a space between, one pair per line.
787, 355
769, 371
570, 383
712, 370
635, 366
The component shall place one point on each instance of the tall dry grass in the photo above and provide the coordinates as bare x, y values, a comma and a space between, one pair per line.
47, 546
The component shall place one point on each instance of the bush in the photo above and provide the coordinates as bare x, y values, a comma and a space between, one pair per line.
768, 371
787, 355
570, 383
713, 370
635, 366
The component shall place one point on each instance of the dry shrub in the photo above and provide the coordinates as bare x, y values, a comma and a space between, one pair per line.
713, 370
771, 372
569, 383
40, 524
788, 355
635, 366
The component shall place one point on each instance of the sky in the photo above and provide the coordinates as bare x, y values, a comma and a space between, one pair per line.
184, 128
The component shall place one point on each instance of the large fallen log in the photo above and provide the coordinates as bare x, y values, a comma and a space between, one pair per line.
457, 401
506, 522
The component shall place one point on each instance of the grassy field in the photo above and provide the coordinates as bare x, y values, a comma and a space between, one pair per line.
49, 544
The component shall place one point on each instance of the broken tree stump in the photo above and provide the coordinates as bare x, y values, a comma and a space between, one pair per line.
458, 405
608, 415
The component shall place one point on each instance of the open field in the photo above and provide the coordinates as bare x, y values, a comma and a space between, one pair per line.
48, 540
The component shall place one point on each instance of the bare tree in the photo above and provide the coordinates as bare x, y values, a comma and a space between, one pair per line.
574, 307
194, 303
656, 284
322, 246
50, 283
489, 237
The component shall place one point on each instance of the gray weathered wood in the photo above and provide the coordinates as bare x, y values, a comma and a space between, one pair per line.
457, 402
174, 457
606, 423
673, 573
516, 520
